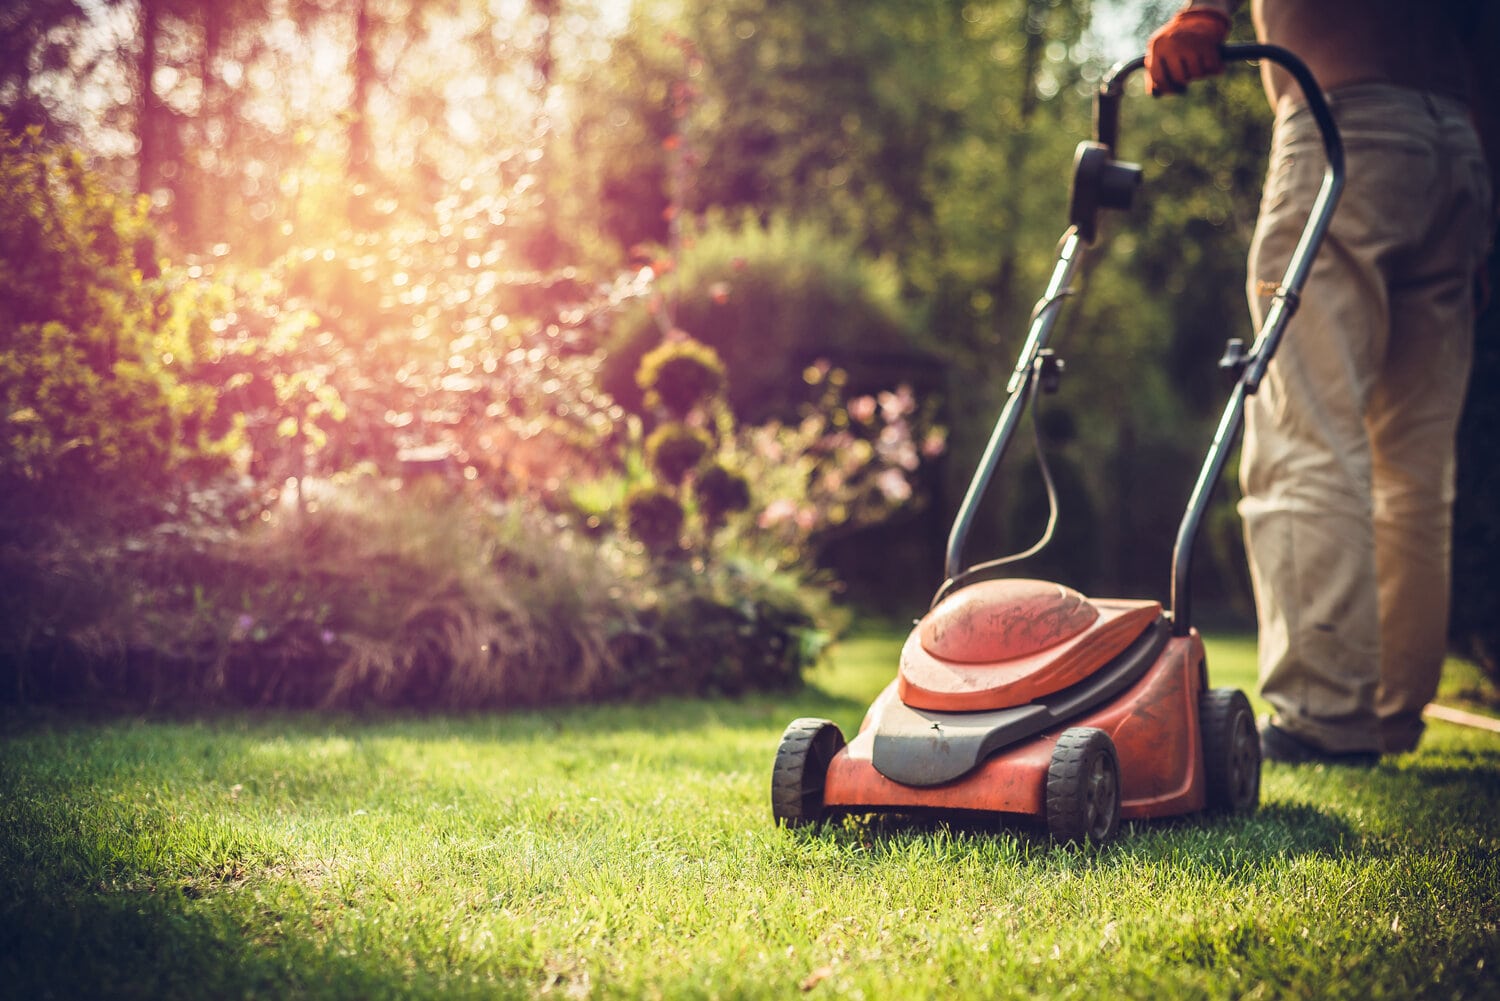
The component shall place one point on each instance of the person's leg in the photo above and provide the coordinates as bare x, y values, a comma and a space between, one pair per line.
1306, 462
1413, 421
1305, 476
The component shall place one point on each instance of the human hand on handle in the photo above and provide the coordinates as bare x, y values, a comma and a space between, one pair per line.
1185, 49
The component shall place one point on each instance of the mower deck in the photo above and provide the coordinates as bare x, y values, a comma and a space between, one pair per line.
1153, 723
919, 747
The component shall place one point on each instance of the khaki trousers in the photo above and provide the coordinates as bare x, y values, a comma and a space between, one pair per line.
1347, 469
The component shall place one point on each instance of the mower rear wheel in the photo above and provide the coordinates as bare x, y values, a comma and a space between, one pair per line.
1231, 751
1083, 787
807, 748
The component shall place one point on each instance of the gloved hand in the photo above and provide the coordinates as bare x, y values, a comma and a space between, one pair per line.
1185, 49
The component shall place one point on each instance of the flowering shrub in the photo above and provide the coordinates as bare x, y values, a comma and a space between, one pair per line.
843, 467
774, 491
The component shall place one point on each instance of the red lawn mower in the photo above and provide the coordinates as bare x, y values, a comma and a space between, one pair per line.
1022, 697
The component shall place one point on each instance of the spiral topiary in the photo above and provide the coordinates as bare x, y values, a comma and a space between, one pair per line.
680, 375
654, 517
721, 492
675, 449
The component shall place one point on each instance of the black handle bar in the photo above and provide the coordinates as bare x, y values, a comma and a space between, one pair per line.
1112, 89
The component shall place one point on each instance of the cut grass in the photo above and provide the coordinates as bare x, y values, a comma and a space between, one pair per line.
628, 852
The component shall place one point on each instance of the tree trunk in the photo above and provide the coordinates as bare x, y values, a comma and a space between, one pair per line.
1003, 289
208, 175
149, 110
362, 69
543, 248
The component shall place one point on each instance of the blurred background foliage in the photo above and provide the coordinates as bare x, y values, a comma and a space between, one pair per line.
323, 328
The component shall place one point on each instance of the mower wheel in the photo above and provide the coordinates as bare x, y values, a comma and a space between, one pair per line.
1083, 787
807, 748
1231, 751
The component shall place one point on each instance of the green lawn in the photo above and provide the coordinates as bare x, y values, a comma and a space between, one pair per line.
628, 852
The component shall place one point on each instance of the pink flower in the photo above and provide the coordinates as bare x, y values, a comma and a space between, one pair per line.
807, 519
862, 409
769, 449
777, 512
243, 626
894, 406
893, 486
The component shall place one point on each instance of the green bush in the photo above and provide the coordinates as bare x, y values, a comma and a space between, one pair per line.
99, 353
771, 300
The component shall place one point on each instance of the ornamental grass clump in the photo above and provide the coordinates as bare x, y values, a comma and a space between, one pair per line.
377, 597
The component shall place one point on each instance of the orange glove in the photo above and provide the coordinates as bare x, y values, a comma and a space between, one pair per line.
1185, 49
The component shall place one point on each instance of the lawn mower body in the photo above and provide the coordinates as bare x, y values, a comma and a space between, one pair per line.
995, 759
1020, 697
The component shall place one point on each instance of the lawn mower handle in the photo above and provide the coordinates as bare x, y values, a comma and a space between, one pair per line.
1284, 302
1117, 181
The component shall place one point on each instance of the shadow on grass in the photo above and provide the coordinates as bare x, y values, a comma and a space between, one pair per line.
1481, 778
1446, 797
153, 945
1238, 847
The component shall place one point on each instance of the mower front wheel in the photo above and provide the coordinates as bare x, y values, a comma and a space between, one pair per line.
1083, 787
1231, 751
807, 748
